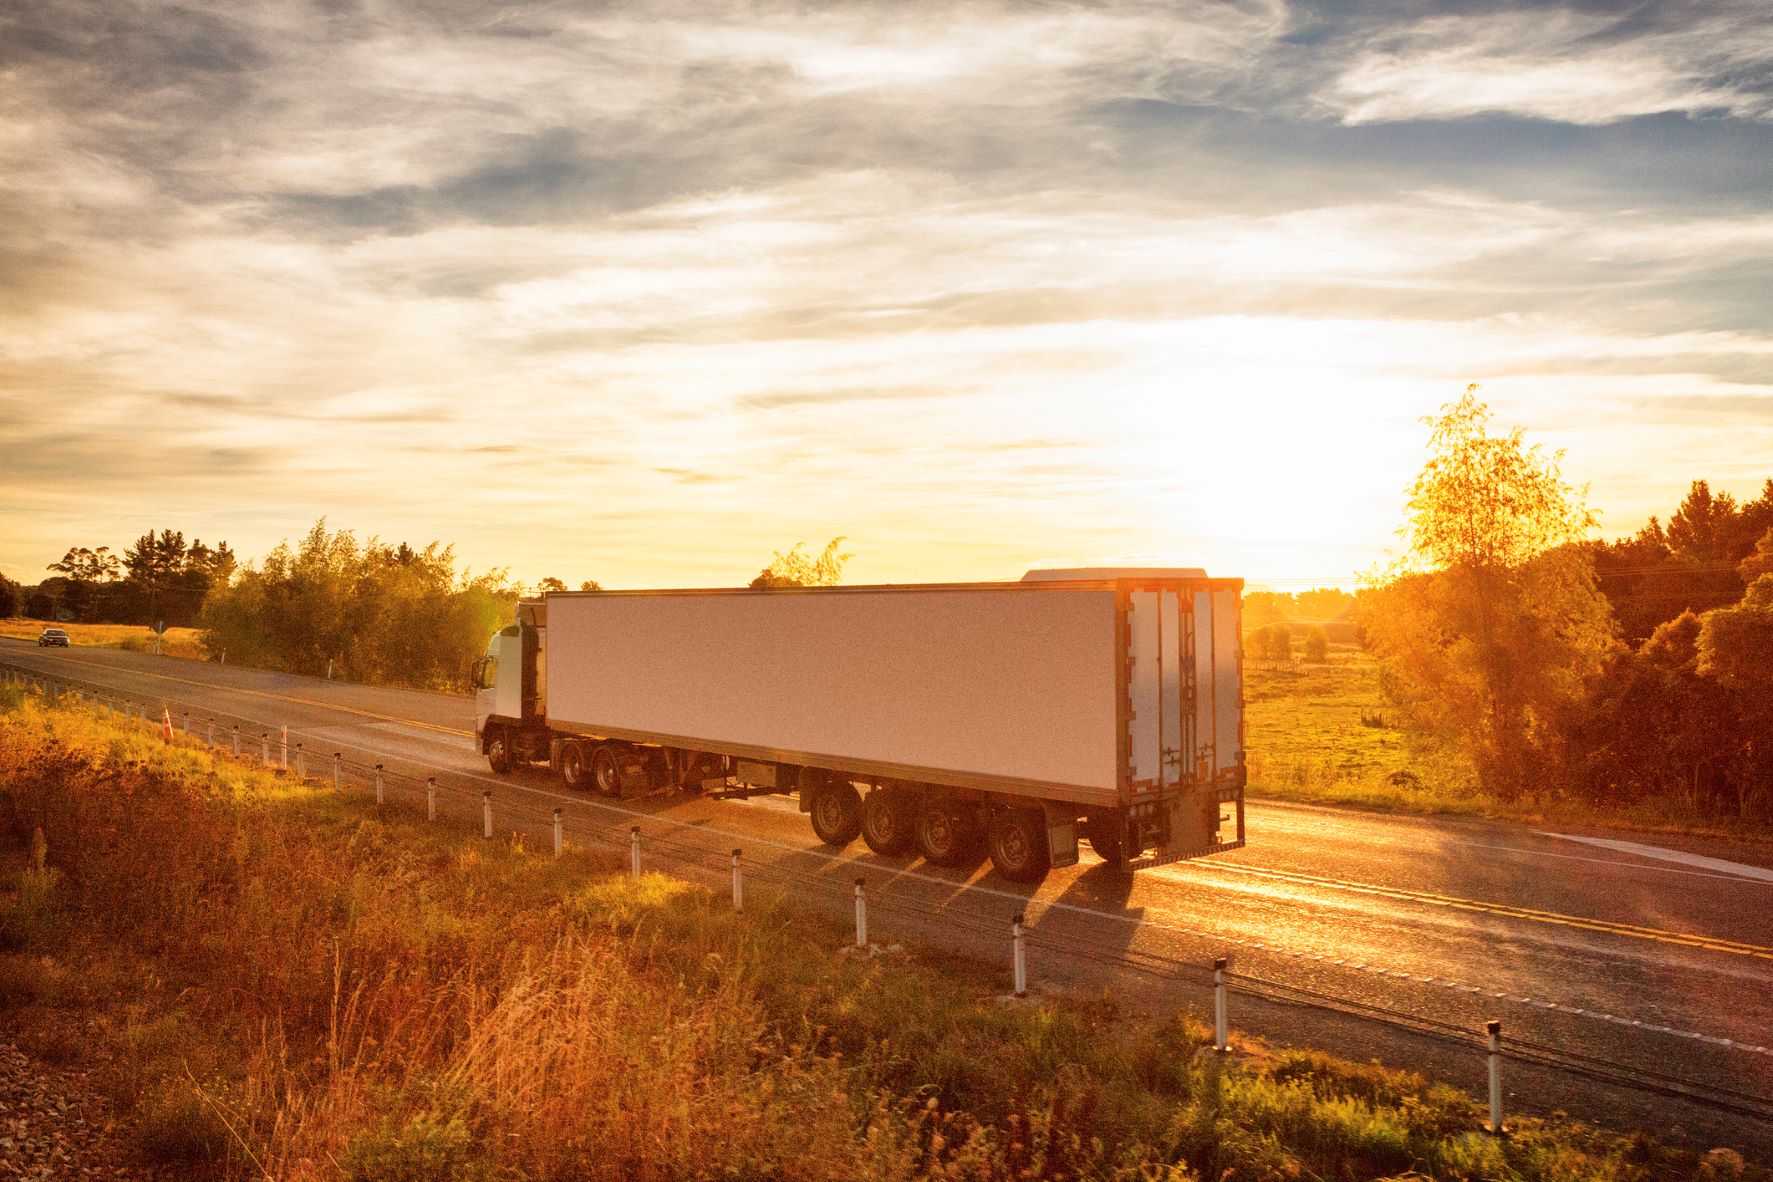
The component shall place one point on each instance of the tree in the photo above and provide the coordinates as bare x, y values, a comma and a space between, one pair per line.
797, 569
590, 585
1317, 647
391, 615
87, 571
550, 584
1272, 643
12, 598
1491, 622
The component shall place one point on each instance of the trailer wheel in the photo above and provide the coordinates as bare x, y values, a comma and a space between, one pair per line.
1018, 844
606, 770
1107, 833
946, 834
887, 821
498, 751
836, 812
572, 765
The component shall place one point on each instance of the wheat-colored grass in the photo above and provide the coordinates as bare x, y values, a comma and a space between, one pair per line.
273, 980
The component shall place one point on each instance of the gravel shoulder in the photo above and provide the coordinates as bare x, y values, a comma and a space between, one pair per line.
52, 1125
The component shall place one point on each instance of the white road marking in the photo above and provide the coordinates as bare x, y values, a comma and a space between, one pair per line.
1715, 865
1614, 862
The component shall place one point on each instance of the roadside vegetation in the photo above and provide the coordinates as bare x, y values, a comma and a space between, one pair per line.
134, 638
270, 979
1500, 652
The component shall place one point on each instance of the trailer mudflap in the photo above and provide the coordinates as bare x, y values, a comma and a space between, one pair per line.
1061, 834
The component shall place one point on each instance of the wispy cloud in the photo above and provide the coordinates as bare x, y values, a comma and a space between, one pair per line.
973, 283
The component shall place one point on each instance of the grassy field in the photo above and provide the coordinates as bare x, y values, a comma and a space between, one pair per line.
272, 980
1325, 734
135, 638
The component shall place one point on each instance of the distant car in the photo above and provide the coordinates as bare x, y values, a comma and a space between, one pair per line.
52, 636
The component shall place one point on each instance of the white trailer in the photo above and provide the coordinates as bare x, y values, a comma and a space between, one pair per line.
925, 716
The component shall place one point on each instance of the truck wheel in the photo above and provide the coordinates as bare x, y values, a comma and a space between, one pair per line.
887, 817
606, 771
946, 834
572, 765
1107, 833
1018, 844
836, 813
498, 751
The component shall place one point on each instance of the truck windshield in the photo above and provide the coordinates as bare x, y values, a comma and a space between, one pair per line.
489, 673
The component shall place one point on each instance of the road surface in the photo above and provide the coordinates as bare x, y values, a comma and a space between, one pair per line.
1650, 954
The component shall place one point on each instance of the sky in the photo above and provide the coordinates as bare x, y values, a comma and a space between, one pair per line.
644, 292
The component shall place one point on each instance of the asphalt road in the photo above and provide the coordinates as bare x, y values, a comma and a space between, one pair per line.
1646, 953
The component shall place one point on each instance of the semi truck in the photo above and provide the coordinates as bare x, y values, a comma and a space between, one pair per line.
946, 719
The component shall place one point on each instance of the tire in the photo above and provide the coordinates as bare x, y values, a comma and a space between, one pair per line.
1018, 844
836, 812
946, 834
574, 770
887, 821
1107, 835
606, 771
498, 751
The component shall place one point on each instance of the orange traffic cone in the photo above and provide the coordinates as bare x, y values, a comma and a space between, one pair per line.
166, 723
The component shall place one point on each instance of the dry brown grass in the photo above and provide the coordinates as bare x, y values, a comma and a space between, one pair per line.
274, 981
135, 638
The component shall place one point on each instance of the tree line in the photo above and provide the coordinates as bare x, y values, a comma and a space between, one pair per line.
1616, 672
157, 579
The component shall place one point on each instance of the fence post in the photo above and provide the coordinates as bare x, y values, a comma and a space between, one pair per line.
236, 740
486, 813
738, 884
1019, 956
378, 783
431, 799
1221, 1026
301, 763
559, 834
634, 851
1495, 1030
861, 914
283, 748
338, 768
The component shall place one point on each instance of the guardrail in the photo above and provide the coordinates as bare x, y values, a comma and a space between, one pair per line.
662, 841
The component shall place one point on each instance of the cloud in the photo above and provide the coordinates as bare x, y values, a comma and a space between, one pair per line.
1564, 64
972, 281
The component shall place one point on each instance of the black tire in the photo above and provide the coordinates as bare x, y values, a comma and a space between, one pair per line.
946, 833
606, 771
1107, 835
836, 812
1018, 844
574, 772
887, 821
498, 751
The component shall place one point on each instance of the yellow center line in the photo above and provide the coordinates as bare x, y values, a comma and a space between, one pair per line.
230, 689
1684, 939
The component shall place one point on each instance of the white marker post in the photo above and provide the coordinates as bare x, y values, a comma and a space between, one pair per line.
1221, 1021
738, 884
338, 769
283, 748
378, 784
1495, 1055
1018, 957
634, 851
431, 799
861, 914
486, 813
559, 834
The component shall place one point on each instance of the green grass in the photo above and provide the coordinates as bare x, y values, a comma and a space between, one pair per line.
1325, 734
275, 979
